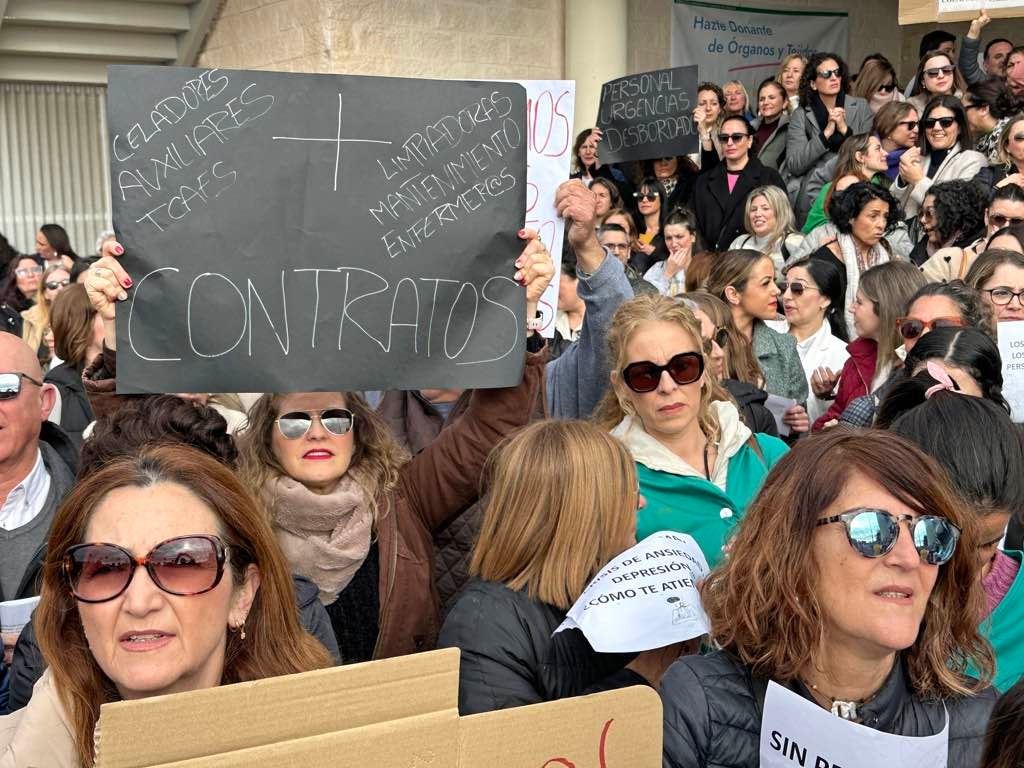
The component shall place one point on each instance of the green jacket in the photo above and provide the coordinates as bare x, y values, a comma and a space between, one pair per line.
1004, 628
678, 498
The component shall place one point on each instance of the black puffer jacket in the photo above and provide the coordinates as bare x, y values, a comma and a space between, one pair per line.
713, 705
510, 657
28, 666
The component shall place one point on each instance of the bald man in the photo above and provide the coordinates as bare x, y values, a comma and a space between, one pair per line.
37, 468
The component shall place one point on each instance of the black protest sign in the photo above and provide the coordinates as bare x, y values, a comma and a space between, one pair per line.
648, 115
316, 232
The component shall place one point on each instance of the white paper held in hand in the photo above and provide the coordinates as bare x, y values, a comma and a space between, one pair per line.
645, 598
1011, 351
778, 407
14, 614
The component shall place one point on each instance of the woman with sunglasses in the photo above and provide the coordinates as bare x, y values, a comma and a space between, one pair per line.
1005, 208
860, 158
826, 117
720, 194
812, 298
187, 618
768, 221
861, 596
882, 293
896, 125
936, 75
650, 218
36, 319
19, 292
876, 84
745, 281
952, 218
698, 464
676, 175
989, 107
1009, 168
940, 154
999, 276
562, 502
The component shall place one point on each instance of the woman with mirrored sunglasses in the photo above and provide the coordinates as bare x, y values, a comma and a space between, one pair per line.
698, 463
980, 448
154, 565
859, 595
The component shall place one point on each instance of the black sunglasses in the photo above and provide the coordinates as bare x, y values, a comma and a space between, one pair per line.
910, 125
684, 368
828, 74
53, 285
936, 71
183, 566
889, 88
1004, 221
295, 424
735, 138
648, 196
873, 533
795, 286
931, 122
10, 384
719, 337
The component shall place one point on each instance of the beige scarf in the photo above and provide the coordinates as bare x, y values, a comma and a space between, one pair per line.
325, 537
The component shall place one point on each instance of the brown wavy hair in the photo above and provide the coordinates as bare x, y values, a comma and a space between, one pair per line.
275, 643
376, 459
71, 319
562, 503
650, 308
762, 601
740, 361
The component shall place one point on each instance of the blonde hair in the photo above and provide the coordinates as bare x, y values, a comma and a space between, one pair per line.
376, 459
638, 311
780, 206
1003, 147
743, 90
562, 503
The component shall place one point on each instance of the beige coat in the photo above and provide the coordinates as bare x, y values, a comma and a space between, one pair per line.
951, 263
39, 735
959, 164
35, 321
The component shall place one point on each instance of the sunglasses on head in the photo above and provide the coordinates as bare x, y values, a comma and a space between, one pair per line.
828, 74
10, 384
719, 337
650, 197
734, 138
1004, 221
684, 368
873, 533
796, 286
295, 424
936, 71
183, 566
911, 327
53, 285
931, 122
888, 88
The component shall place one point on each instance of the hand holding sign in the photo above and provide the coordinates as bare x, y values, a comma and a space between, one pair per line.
578, 206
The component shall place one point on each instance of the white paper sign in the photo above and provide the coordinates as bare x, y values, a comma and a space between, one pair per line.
778, 407
956, 6
549, 137
645, 598
14, 614
1011, 350
798, 733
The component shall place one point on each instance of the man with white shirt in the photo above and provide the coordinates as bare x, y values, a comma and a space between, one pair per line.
36, 470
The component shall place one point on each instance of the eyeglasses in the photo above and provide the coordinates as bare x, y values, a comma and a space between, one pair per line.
912, 327
927, 213
910, 125
796, 287
650, 197
888, 88
684, 368
936, 71
719, 337
828, 74
53, 285
944, 122
873, 533
10, 384
1002, 295
734, 138
1004, 221
28, 271
184, 566
616, 247
295, 424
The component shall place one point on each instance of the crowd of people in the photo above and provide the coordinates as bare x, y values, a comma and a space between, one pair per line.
783, 345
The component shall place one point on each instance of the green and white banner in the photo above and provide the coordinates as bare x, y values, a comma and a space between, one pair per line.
746, 43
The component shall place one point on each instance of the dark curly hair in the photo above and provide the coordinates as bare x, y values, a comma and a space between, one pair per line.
157, 419
811, 73
848, 204
960, 211
974, 310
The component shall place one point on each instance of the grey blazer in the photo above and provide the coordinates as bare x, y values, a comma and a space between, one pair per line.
773, 153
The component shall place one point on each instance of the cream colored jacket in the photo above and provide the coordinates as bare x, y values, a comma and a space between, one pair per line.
38, 736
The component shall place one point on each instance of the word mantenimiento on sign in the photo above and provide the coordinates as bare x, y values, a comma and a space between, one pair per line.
316, 232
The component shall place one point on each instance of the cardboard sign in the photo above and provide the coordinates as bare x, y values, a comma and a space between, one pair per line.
648, 115
316, 232
796, 732
1011, 351
921, 11
646, 598
395, 713
550, 111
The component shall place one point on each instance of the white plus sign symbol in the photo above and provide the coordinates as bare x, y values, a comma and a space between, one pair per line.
337, 140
